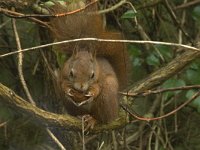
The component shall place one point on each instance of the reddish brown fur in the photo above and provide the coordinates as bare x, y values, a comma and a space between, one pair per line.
81, 25
104, 107
112, 59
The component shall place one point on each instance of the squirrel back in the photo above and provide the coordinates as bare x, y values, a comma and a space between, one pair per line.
89, 23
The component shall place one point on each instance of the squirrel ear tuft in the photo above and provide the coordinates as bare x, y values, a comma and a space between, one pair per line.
75, 52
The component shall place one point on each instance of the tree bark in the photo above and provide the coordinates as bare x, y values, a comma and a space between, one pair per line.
12, 100
164, 73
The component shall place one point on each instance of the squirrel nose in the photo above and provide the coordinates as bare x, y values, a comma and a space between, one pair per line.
81, 87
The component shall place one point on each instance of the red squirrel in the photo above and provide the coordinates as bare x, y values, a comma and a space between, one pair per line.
95, 71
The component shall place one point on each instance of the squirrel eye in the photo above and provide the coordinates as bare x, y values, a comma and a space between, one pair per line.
92, 75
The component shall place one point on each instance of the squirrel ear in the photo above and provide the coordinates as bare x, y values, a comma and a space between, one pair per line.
75, 51
74, 54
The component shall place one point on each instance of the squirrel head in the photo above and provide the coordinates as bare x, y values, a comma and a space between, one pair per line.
81, 70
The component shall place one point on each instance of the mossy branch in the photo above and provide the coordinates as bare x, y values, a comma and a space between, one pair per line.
7, 96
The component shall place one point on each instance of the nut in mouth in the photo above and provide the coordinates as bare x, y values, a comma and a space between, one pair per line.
81, 99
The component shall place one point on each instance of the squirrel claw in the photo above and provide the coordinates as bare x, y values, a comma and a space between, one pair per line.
90, 122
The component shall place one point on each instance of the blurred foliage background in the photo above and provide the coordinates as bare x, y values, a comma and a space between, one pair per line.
176, 21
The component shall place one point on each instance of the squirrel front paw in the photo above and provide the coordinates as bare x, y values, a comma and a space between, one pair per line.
89, 122
93, 91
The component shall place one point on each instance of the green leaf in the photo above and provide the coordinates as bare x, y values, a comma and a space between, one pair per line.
196, 14
172, 83
153, 60
61, 58
193, 76
129, 14
137, 62
7, 78
165, 51
196, 102
5, 113
134, 50
194, 66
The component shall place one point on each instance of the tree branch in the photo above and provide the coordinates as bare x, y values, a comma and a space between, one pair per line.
186, 47
159, 76
7, 96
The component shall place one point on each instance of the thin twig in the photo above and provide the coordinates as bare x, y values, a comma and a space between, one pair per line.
74, 11
102, 40
182, 22
55, 139
163, 116
3, 24
176, 21
83, 132
13, 14
145, 93
184, 5
6, 12
3, 124
135, 11
101, 145
122, 2
20, 70
114, 140
20, 63
149, 4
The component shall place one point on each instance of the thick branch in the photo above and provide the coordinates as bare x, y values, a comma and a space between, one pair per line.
166, 72
7, 96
